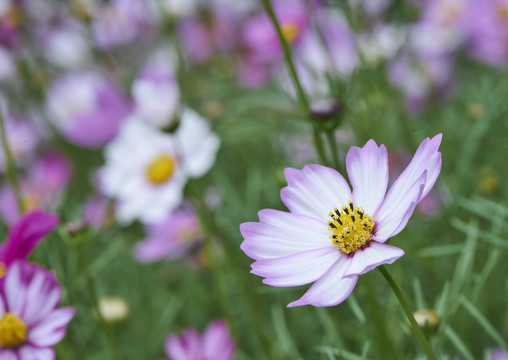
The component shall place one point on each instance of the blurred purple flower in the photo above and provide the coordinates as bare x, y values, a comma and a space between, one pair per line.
498, 354
24, 235
41, 188
66, 46
30, 319
215, 344
332, 235
171, 238
96, 211
87, 108
121, 21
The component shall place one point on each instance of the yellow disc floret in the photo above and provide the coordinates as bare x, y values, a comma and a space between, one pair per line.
13, 331
160, 169
290, 31
3, 269
351, 228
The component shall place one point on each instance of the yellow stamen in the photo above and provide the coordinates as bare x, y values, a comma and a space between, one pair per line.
3, 269
351, 228
290, 31
13, 331
502, 12
160, 169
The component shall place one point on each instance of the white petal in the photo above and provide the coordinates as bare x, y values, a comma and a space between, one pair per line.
52, 328
372, 256
331, 289
296, 269
280, 233
367, 169
28, 352
315, 191
197, 144
15, 289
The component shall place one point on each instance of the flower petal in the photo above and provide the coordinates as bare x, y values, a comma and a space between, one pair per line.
29, 352
315, 191
331, 289
52, 328
217, 343
395, 221
297, 269
26, 234
367, 169
280, 233
427, 158
372, 256
8, 354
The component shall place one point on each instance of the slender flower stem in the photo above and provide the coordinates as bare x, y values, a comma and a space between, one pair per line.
402, 300
95, 303
332, 141
11, 167
300, 93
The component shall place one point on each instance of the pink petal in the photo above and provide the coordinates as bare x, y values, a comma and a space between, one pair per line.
315, 191
8, 354
15, 289
427, 158
297, 269
26, 234
175, 348
280, 233
372, 256
43, 294
28, 352
217, 343
331, 289
367, 169
397, 219
51, 329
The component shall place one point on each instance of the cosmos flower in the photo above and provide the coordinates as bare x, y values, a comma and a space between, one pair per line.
24, 235
332, 234
171, 238
146, 169
30, 321
215, 343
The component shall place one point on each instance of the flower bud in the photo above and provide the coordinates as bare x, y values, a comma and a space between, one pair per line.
325, 108
113, 309
428, 320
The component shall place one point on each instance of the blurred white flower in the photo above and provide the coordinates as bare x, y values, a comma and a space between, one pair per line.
146, 170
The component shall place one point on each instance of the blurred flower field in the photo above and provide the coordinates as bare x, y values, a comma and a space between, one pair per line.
272, 179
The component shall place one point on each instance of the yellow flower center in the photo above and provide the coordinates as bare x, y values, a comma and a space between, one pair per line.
160, 169
351, 228
502, 11
290, 31
3, 269
13, 331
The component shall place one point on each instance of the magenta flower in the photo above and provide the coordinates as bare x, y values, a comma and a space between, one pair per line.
214, 344
332, 235
24, 236
171, 238
30, 322
42, 188
498, 354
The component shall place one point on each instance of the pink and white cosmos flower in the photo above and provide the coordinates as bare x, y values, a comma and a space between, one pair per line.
331, 234
30, 322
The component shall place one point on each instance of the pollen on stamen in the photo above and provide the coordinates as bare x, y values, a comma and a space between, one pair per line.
351, 228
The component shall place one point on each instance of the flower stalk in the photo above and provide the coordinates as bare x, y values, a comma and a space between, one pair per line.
302, 97
409, 314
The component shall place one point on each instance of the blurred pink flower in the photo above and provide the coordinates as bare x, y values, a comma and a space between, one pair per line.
30, 321
171, 238
22, 138
41, 188
332, 235
24, 236
215, 344
87, 108
96, 211
498, 354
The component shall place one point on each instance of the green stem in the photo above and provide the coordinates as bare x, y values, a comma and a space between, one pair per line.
332, 141
95, 303
11, 167
403, 303
300, 93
